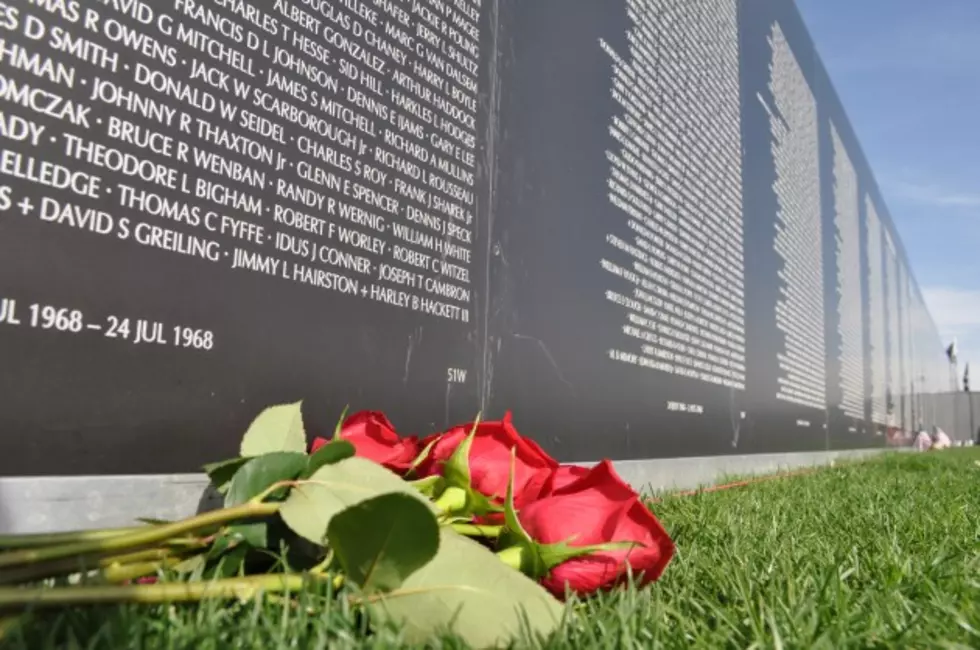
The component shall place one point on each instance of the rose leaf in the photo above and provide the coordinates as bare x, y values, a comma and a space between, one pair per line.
384, 540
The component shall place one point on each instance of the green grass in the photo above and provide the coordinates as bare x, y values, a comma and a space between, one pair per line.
882, 554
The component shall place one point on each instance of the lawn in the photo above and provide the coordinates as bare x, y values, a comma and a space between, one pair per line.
881, 554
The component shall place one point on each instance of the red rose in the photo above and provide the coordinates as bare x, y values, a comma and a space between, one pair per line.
489, 460
374, 438
598, 508
562, 477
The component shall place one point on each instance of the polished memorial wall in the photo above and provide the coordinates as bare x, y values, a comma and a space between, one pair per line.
645, 226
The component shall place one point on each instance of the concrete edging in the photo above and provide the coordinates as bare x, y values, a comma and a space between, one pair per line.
58, 503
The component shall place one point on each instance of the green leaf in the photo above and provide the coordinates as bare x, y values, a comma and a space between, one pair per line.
261, 473
221, 545
192, 566
328, 454
382, 541
277, 428
222, 472
465, 588
551, 555
255, 478
510, 511
457, 469
340, 424
333, 488
480, 504
533, 562
255, 534
430, 486
421, 457
227, 563
456, 473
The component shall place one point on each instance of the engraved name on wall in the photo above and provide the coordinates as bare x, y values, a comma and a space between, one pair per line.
849, 298
675, 175
799, 230
327, 144
878, 362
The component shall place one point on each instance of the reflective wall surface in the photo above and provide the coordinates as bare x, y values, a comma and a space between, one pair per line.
645, 226
722, 275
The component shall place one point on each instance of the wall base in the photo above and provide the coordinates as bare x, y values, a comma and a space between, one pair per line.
50, 504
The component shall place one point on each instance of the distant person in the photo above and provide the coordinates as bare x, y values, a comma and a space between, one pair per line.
923, 442
939, 439
892, 435
898, 437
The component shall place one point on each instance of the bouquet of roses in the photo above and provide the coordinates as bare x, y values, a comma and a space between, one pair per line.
475, 528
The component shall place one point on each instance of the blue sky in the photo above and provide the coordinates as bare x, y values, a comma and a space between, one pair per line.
908, 74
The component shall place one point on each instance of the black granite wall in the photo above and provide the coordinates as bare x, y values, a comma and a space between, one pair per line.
645, 226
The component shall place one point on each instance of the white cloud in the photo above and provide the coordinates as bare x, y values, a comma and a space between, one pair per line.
962, 200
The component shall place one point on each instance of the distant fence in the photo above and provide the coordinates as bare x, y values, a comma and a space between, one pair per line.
957, 407
951, 412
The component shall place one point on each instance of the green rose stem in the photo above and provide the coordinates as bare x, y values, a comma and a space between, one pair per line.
84, 564
141, 538
125, 572
476, 530
178, 592
32, 540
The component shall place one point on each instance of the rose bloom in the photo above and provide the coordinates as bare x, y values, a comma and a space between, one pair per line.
598, 508
562, 477
489, 460
374, 438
